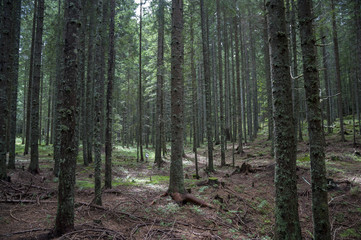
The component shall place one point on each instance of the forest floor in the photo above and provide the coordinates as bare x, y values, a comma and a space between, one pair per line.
134, 209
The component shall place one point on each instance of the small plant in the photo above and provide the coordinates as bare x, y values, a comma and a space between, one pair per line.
350, 233
355, 191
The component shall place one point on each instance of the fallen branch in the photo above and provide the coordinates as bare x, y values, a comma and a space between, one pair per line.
26, 201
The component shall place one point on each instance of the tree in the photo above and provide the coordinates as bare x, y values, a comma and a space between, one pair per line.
338, 70
207, 81
98, 104
140, 95
31, 68
35, 131
287, 224
176, 180
238, 81
321, 224
68, 120
109, 101
159, 104
5, 38
220, 82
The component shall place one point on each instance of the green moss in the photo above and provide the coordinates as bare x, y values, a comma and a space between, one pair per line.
348, 233
306, 158
84, 184
158, 179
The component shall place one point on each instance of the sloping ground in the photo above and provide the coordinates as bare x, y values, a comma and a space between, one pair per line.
135, 209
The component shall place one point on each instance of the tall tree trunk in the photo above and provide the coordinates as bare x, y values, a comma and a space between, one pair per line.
140, 91
287, 224
220, 81
238, 81
109, 103
358, 80
83, 103
338, 70
68, 136
205, 44
160, 65
296, 96
327, 101
35, 131
98, 104
268, 84
321, 224
176, 180
13, 77
254, 77
90, 82
5, 56
49, 109
57, 95
29, 93
194, 95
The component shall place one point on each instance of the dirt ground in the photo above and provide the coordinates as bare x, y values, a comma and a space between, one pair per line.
134, 209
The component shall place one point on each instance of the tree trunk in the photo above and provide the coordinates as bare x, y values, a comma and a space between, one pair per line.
109, 104
68, 136
160, 65
205, 44
57, 95
238, 81
176, 181
220, 81
268, 84
338, 70
13, 77
287, 224
327, 101
31, 68
35, 131
98, 103
140, 91
321, 224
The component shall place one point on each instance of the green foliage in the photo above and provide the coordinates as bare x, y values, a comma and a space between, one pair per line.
306, 158
84, 184
350, 233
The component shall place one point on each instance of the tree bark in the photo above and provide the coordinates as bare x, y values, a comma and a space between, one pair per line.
321, 224
238, 81
160, 65
31, 68
68, 121
13, 77
205, 44
220, 81
98, 104
35, 131
287, 224
109, 103
140, 91
338, 70
176, 181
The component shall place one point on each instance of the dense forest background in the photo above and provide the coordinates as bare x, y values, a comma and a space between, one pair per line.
248, 108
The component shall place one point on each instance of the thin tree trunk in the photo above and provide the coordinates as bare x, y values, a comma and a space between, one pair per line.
35, 131
31, 68
205, 44
140, 91
98, 104
57, 95
160, 65
220, 81
238, 81
326, 80
338, 70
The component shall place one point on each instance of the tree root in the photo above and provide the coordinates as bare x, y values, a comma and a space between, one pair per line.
189, 198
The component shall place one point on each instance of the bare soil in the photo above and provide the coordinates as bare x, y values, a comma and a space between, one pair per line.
135, 208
